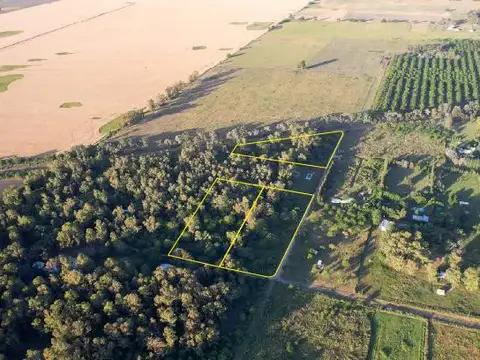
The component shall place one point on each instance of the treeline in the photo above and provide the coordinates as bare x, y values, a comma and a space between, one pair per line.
83, 244
426, 79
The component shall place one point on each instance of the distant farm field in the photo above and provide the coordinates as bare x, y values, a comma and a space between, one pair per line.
263, 84
451, 342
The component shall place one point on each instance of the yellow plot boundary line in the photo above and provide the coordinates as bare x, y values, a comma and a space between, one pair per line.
237, 235
341, 132
263, 187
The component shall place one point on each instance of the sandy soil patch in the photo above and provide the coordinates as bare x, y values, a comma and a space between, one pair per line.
121, 54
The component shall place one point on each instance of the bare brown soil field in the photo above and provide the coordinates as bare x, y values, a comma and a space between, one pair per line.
120, 54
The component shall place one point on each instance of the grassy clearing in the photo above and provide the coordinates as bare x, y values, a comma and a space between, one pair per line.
341, 255
452, 342
378, 280
71, 104
259, 25
398, 337
36, 59
301, 325
471, 130
6, 80
4, 68
10, 33
199, 47
404, 181
384, 142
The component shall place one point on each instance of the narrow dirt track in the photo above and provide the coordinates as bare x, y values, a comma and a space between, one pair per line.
471, 323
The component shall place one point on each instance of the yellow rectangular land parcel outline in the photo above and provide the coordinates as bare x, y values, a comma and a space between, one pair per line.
232, 243
266, 141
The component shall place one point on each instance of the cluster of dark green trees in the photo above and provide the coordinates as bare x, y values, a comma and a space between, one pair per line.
315, 150
446, 73
83, 244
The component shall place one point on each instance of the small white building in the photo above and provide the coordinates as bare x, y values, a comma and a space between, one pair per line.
422, 218
320, 265
385, 225
341, 201
465, 203
441, 292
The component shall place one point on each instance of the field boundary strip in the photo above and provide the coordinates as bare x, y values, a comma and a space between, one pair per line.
274, 140
232, 243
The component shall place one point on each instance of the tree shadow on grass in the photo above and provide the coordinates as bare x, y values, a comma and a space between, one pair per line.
322, 63
188, 97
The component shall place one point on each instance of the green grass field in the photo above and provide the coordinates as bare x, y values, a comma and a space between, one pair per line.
398, 337
6, 80
301, 325
467, 188
262, 83
452, 342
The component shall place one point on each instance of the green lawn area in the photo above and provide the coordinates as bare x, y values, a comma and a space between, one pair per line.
452, 342
10, 33
398, 337
262, 84
6, 80
302, 325
467, 188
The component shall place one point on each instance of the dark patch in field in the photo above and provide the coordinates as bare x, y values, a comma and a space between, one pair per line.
322, 63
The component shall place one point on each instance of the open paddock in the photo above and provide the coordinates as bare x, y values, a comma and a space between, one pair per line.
262, 83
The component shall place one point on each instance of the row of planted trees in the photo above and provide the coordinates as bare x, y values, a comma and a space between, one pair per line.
426, 80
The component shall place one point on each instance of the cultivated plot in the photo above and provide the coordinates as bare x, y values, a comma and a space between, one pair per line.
313, 150
254, 239
398, 337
